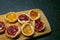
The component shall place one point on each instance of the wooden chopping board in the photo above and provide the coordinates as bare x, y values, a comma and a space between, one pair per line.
21, 36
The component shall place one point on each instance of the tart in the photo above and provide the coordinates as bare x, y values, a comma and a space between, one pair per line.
39, 25
11, 17
2, 26
23, 18
12, 31
34, 15
27, 29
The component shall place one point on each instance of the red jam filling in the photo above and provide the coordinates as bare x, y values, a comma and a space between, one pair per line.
12, 30
38, 25
2, 25
23, 17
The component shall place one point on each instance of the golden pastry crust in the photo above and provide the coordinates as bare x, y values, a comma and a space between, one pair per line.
23, 21
32, 29
12, 16
12, 36
36, 13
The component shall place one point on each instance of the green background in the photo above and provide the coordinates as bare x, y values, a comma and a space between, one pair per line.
50, 8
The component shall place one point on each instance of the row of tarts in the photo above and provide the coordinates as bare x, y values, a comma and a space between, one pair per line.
27, 28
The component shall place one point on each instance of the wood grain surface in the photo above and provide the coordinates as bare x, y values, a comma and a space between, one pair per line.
21, 36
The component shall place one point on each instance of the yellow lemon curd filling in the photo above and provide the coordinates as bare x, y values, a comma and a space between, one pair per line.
27, 29
11, 17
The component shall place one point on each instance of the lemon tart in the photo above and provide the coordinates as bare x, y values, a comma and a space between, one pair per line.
27, 29
11, 17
